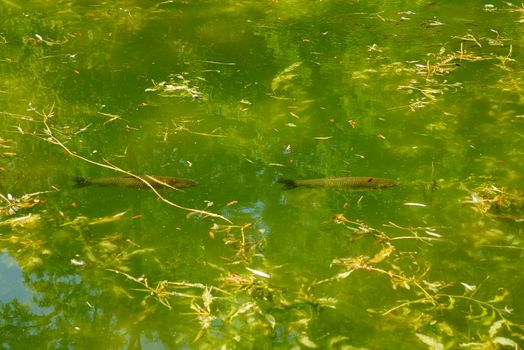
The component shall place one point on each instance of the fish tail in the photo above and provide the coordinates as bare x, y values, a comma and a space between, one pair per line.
80, 181
288, 183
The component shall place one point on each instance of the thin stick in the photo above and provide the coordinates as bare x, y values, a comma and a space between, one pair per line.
56, 141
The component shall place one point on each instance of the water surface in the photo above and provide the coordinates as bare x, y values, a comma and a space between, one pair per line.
236, 95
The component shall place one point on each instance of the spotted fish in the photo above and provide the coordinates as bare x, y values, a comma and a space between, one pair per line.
342, 183
158, 182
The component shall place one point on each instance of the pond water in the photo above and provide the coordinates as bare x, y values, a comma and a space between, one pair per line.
237, 95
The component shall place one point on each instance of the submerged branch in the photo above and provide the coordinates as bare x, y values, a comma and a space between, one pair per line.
53, 139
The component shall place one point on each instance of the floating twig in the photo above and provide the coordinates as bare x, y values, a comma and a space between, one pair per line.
53, 139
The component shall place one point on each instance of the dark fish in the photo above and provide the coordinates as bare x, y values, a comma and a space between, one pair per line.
162, 182
342, 183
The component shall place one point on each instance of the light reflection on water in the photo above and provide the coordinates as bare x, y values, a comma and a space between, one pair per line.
13, 287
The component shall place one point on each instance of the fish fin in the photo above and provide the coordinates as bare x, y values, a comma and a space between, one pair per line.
79, 181
288, 183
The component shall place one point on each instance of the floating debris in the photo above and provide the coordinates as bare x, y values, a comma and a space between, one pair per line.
176, 86
259, 273
413, 204
77, 262
497, 203
12, 205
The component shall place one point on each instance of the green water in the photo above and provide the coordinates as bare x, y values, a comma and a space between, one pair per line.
235, 95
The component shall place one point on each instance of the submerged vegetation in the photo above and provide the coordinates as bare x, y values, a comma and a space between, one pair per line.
496, 203
177, 86
238, 95
247, 300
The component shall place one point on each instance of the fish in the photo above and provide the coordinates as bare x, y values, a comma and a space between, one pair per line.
157, 182
342, 183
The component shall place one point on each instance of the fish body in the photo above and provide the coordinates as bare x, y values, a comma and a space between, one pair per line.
157, 182
342, 183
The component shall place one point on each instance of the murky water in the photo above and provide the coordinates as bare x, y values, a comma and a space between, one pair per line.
235, 96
